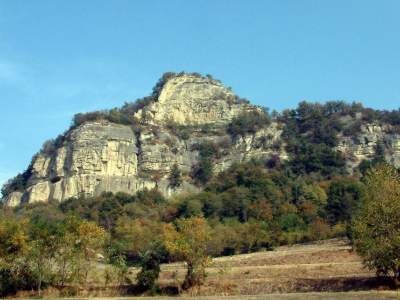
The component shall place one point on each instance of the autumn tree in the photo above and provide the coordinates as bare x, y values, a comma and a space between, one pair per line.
376, 228
43, 246
14, 247
187, 240
76, 243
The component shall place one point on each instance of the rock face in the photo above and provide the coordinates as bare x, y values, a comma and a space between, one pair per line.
188, 111
193, 100
364, 145
103, 156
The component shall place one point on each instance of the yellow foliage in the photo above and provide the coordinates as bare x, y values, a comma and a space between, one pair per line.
188, 241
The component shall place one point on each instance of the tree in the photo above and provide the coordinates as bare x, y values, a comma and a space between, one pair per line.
376, 228
14, 247
43, 246
150, 261
203, 171
136, 235
175, 177
88, 241
118, 268
344, 198
249, 122
187, 241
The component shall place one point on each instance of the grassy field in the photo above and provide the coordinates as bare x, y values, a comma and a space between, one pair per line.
329, 266
324, 270
369, 295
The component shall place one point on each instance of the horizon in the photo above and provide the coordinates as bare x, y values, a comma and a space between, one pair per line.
61, 59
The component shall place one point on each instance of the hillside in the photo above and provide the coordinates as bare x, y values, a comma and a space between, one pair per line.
193, 173
197, 127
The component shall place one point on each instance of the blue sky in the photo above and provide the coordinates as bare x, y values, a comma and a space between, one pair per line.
58, 58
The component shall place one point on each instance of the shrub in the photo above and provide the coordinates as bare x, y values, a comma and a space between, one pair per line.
319, 230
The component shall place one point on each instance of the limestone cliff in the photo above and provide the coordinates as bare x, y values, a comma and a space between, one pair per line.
194, 100
102, 156
138, 149
363, 146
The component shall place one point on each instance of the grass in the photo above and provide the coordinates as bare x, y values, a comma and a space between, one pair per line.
316, 267
369, 295
323, 270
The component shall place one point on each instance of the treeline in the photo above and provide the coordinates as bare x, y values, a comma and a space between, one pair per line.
311, 133
247, 208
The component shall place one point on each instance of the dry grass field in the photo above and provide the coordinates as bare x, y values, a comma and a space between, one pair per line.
324, 270
329, 266
371, 295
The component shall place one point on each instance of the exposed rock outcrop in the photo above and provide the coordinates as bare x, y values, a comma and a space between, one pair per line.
194, 100
186, 111
363, 146
102, 156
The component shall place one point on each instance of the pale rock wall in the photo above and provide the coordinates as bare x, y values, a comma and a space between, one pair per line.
191, 100
363, 146
103, 156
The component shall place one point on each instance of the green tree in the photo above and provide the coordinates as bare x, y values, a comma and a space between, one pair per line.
150, 261
175, 177
376, 228
43, 247
203, 171
249, 122
136, 235
344, 198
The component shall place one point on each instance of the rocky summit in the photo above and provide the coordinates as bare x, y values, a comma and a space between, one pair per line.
102, 156
169, 130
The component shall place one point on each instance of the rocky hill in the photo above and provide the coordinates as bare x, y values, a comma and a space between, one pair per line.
188, 123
